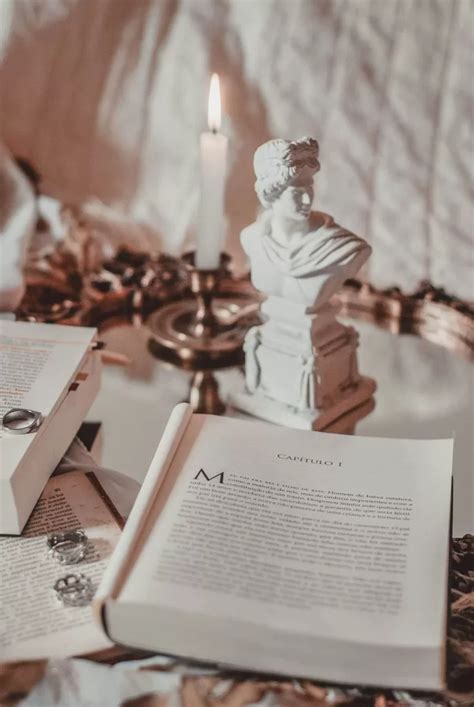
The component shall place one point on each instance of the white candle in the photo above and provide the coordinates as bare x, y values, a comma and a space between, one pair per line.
213, 157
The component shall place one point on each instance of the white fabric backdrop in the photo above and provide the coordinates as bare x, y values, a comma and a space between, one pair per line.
107, 98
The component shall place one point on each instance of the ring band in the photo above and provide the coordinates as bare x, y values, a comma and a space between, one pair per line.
69, 547
21, 421
74, 590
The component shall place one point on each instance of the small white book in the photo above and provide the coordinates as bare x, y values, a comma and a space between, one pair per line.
283, 551
50, 369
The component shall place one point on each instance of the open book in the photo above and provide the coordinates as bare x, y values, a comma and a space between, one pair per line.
283, 551
33, 623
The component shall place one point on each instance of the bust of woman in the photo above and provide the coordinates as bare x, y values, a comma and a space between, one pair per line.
300, 255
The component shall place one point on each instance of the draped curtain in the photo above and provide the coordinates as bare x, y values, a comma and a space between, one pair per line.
107, 99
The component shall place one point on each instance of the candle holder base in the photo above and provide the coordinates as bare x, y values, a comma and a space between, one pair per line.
207, 330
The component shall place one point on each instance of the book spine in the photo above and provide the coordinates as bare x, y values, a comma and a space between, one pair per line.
126, 548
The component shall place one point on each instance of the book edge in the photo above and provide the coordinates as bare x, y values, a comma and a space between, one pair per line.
120, 561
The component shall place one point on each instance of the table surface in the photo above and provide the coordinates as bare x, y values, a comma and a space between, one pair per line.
423, 391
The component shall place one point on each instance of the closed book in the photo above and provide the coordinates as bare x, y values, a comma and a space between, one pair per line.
50, 369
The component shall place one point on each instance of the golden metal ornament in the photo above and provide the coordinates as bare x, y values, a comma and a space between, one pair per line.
207, 328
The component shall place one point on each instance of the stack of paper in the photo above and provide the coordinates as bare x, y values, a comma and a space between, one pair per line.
34, 623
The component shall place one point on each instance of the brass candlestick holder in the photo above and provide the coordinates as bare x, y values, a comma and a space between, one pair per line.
204, 394
206, 329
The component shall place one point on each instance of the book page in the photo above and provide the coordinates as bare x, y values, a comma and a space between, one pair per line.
313, 534
37, 362
33, 622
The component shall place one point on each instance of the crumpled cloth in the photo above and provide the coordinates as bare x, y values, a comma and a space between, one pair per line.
120, 487
107, 100
17, 224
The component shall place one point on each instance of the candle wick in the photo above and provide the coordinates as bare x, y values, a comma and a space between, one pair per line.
214, 130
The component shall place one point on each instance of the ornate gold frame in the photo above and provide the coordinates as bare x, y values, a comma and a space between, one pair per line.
428, 312
55, 294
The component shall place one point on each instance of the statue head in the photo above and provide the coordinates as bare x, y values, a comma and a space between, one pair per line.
284, 172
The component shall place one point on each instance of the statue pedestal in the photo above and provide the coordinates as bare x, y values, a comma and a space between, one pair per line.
356, 405
301, 367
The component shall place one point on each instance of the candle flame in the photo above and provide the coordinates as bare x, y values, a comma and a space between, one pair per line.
214, 115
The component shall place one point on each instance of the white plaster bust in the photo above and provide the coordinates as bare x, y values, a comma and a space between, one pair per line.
300, 255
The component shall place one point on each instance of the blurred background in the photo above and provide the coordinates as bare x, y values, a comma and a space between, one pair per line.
106, 99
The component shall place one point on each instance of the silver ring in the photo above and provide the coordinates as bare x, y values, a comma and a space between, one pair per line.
21, 421
67, 548
74, 590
